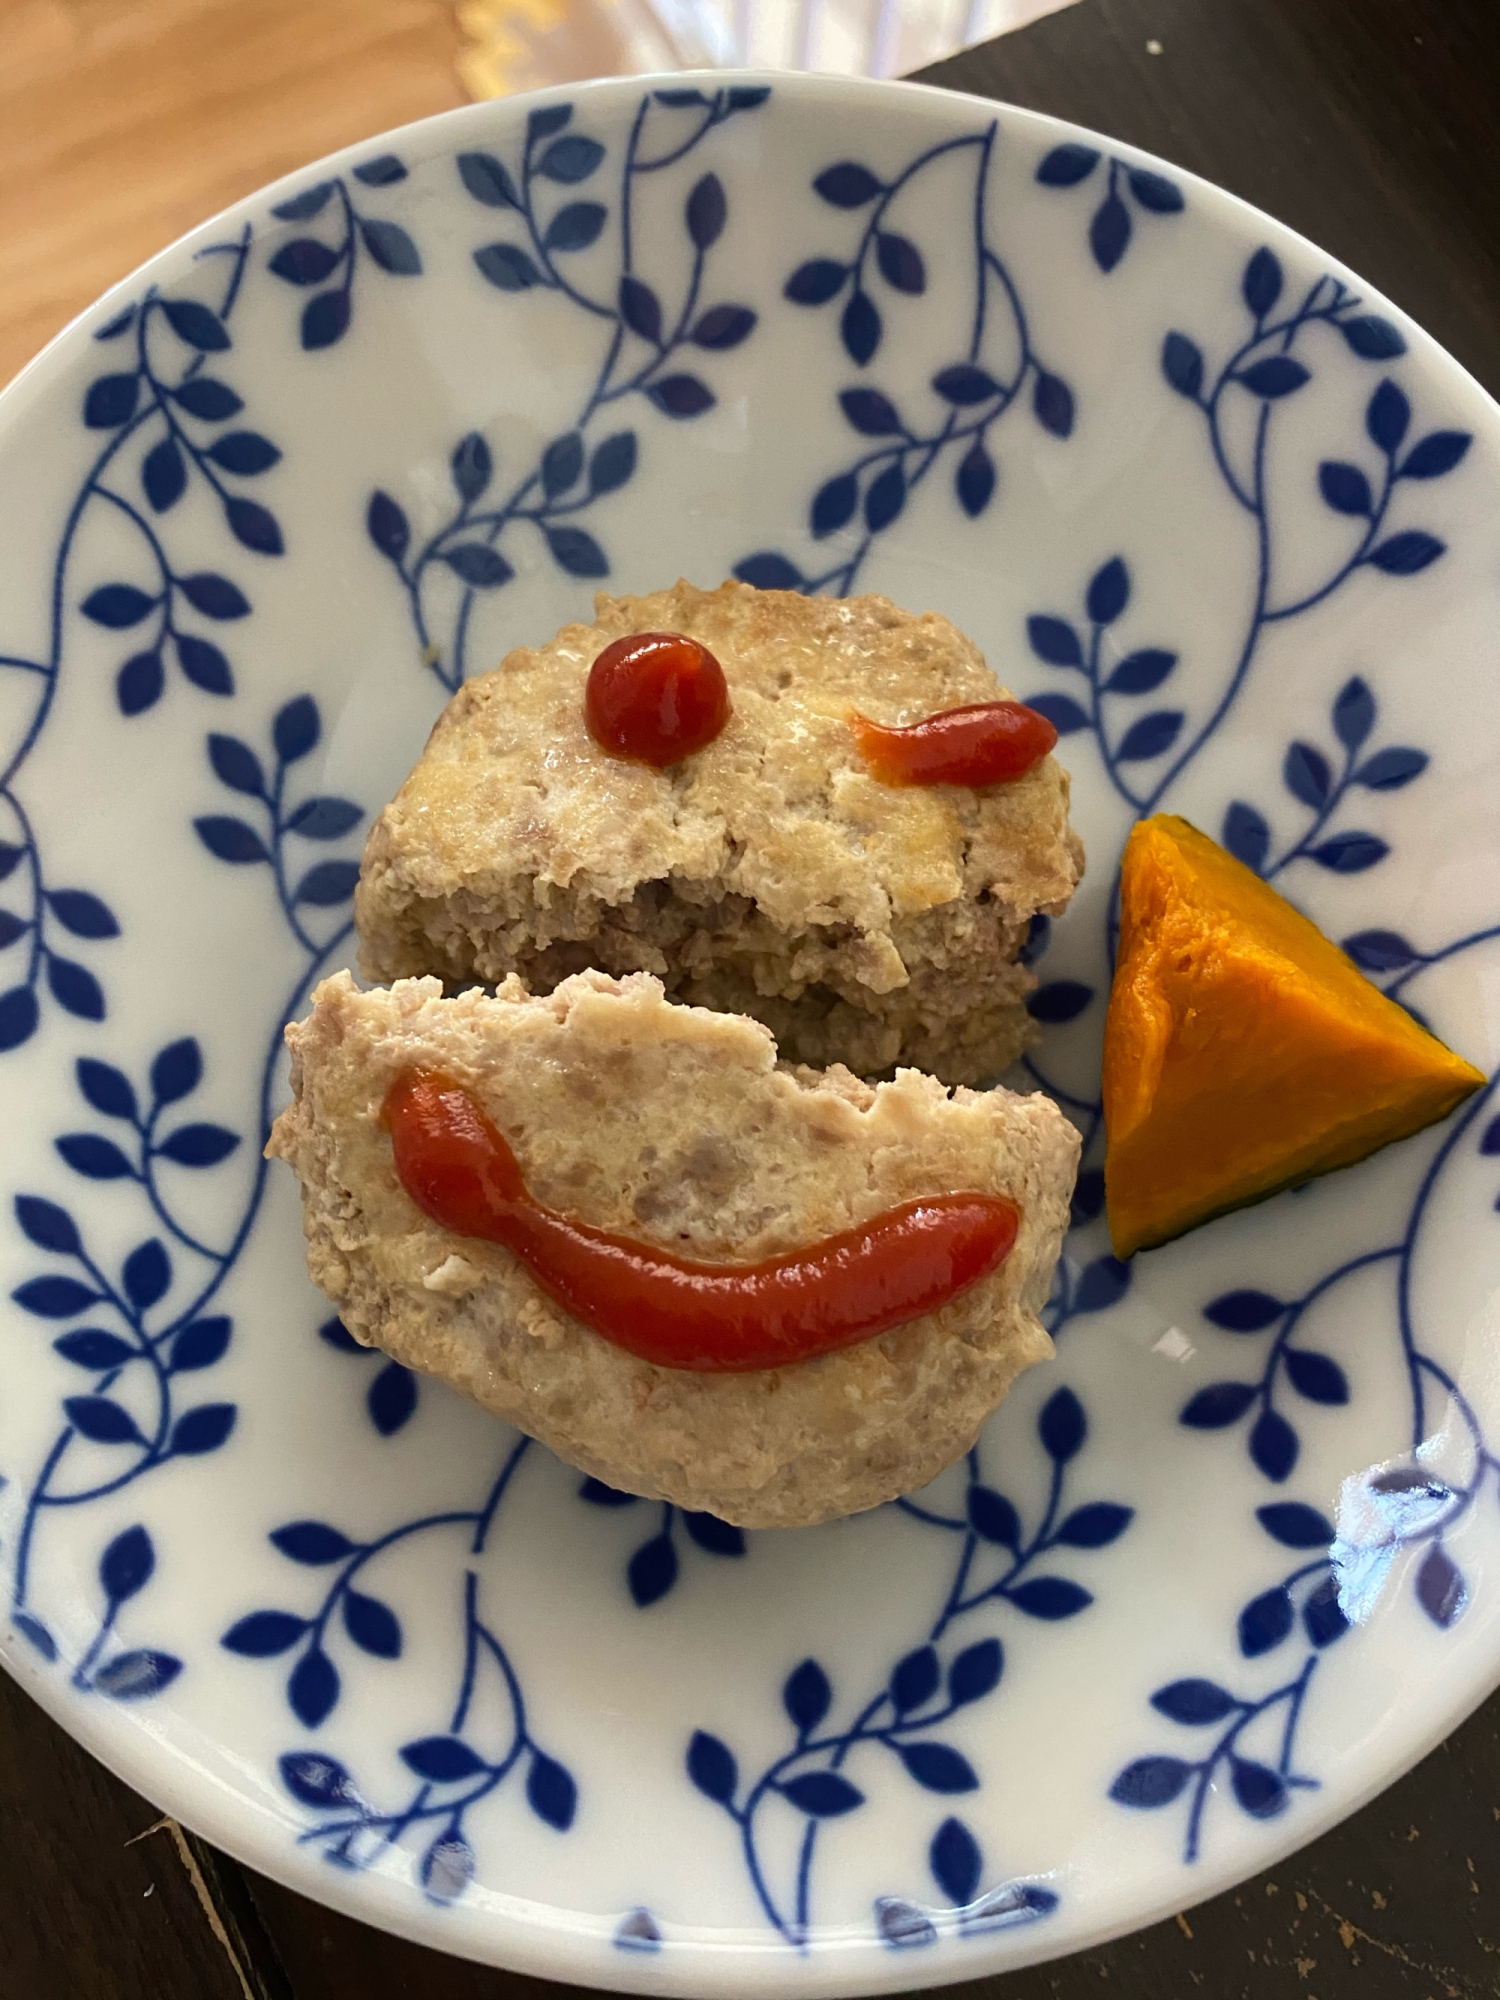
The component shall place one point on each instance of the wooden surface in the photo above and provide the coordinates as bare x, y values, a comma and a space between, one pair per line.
1370, 125
125, 122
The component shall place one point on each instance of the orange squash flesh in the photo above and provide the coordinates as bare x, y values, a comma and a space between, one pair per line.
1243, 1052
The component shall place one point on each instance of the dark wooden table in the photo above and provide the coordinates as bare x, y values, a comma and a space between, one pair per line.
1372, 126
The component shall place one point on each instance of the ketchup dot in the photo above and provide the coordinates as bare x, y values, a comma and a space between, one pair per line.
655, 698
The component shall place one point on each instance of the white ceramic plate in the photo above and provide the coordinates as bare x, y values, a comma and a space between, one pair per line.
1214, 1576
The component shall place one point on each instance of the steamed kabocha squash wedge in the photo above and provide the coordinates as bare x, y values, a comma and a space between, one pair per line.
1243, 1052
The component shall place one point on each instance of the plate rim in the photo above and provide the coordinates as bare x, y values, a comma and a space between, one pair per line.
685, 1965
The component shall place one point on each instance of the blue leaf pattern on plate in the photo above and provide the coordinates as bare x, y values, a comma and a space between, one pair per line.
1111, 226
920, 1691
1321, 783
641, 338
873, 491
308, 261
133, 1316
154, 413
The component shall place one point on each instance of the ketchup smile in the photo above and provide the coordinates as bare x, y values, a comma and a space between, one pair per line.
655, 698
988, 743
710, 1318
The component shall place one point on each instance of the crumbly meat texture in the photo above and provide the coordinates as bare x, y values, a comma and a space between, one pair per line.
678, 1127
769, 874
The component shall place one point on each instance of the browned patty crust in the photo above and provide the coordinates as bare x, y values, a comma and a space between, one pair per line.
676, 1126
769, 874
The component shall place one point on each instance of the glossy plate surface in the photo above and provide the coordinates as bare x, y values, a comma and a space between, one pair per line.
1214, 1576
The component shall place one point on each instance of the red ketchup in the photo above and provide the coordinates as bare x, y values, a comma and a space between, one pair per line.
655, 698
712, 1318
985, 744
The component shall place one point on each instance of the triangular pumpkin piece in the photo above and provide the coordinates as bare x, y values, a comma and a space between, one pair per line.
1243, 1052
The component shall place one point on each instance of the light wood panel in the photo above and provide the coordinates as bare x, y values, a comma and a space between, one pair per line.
125, 122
